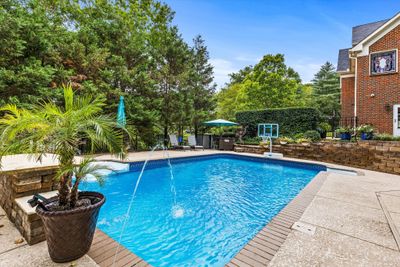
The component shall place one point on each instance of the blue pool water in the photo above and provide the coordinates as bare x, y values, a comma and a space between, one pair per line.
222, 203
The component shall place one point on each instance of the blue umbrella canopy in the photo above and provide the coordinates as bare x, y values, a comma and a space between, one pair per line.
220, 123
121, 118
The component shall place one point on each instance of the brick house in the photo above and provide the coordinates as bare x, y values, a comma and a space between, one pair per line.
369, 76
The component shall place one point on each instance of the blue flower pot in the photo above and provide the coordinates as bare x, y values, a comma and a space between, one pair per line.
366, 136
345, 136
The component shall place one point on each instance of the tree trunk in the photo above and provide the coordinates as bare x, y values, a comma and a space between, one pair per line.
196, 129
74, 193
166, 135
63, 191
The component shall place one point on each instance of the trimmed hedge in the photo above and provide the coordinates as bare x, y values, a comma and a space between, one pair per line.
291, 120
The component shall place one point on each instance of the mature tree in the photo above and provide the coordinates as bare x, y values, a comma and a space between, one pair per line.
201, 83
269, 84
240, 75
108, 48
272, 84
232, 99
173, 56
326, 92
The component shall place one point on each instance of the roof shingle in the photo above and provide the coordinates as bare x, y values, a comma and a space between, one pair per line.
361, 32
343, 60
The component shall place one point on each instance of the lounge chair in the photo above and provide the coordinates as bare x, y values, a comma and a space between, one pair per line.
175, 144
193, 143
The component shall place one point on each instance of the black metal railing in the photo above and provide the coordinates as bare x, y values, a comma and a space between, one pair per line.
349, 122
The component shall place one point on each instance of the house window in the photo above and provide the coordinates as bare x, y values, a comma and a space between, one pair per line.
383, 62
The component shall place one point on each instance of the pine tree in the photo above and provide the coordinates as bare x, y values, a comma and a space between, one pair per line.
202, 85
326, 92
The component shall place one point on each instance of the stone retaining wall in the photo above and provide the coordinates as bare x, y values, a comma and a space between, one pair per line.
372, 155
20, 183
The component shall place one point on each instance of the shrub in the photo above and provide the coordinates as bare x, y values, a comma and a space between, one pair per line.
366, 128
313, 135
290, 120
324, 127
386, 137
303, 140
286, 140
343, 130
252, 140
298, 136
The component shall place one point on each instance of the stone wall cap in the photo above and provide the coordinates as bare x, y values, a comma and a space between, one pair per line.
22, 202
23, 162
27, 161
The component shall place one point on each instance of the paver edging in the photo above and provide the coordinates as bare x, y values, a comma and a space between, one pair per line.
260, 250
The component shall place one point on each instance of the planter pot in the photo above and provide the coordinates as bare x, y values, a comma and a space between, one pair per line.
345, 136
69, 233
366, 136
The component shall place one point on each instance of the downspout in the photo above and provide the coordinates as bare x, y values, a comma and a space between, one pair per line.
355, 90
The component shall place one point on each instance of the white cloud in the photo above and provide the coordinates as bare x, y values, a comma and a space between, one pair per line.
306, 67
306, 70
222, 69
247, 58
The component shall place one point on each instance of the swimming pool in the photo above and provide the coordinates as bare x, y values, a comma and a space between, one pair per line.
222, 201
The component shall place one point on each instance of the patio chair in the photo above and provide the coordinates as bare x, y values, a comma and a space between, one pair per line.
193, 143
175, 144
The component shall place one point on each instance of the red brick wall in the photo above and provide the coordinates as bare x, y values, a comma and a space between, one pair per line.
378, 110
347, 97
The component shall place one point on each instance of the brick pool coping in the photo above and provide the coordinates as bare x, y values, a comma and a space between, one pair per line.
259, 251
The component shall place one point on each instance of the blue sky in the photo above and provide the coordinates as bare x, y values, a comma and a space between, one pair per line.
239, 32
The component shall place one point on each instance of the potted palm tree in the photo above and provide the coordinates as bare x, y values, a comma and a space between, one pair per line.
70, 218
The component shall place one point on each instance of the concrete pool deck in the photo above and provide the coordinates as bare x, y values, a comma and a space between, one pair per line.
350, 227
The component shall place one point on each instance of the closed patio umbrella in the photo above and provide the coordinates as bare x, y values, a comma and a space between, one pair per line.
121, 118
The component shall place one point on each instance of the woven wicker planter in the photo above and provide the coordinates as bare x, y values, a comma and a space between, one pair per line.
69, 233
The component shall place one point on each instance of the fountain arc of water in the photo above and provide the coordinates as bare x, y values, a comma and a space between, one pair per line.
179, 211
131, 200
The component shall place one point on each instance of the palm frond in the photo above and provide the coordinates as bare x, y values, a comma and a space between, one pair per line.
68, 97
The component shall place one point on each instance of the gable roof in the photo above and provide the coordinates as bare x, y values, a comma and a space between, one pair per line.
361, 32
362, 36
362, 47
343, 60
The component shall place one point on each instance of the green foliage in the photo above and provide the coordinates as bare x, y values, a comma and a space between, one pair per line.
231, 99
313, 135
303, 140
290, 120
272, 84
324, 127
386, 137
286, 139
252, 140
365, 128
326, 92
343, 130
50, 128
108, 48
298, 136
269, 84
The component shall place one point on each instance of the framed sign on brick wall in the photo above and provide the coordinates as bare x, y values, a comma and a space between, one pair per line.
383, 62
